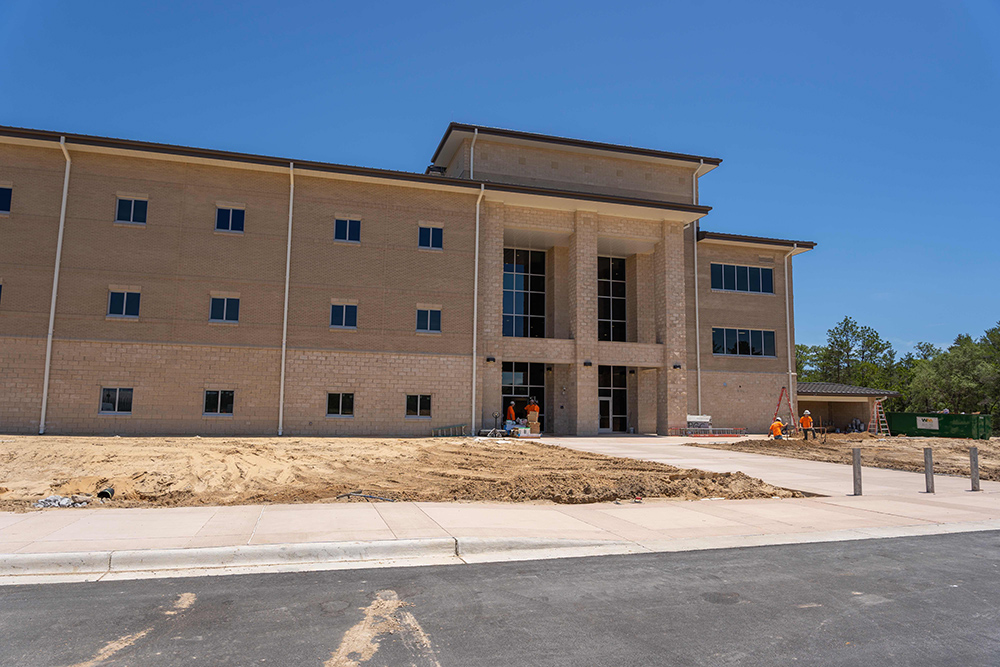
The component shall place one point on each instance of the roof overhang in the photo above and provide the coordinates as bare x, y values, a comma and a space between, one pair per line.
836, 398
785, 245
458, 132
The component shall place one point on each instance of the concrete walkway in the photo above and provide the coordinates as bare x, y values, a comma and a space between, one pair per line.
86, 544
825, 479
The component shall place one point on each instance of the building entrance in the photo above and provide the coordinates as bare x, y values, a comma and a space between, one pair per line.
522, 380
612, 392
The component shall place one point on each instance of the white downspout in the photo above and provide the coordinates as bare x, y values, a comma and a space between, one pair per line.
55, 287
284, 319
472, 155
788, 331
697, 320
475, 312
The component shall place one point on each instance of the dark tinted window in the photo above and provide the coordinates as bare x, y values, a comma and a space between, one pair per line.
757, 343
742, 278
139, 210
344, 316
347, 230
743, 342
225, 309
431, 237
124, 304
729, 277
5, 196
218, 309
115, 399
769, 344
717, 276
219, 402
767, 281
418, 405
718, 341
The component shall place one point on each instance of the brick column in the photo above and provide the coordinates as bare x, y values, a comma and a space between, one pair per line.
491, 224
670, 295
582, 391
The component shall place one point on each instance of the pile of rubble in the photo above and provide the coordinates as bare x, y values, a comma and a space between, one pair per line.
61, 501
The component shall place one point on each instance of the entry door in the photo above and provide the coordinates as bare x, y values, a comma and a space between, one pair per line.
604, 426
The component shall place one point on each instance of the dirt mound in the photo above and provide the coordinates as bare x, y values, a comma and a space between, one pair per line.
232, 471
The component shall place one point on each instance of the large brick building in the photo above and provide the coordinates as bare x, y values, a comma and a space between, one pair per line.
147, 288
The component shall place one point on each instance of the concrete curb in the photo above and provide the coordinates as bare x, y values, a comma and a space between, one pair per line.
494, 549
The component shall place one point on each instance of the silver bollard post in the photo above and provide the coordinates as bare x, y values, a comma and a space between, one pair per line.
856, 452
929, 469
974, 467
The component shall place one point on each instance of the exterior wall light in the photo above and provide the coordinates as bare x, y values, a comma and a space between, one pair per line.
677, 366
491, 360
588, 363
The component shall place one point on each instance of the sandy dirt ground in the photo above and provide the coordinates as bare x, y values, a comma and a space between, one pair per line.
951, 455
179, 471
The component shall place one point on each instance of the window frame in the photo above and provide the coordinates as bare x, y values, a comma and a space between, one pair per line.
532, 324
117, 402
343, 316
420, 406
340, 405
225, 309
611, 299
734, 338
350, 225
219, 208
734, 274
9, 188
218, 403
133, 199
126, 293
430, 320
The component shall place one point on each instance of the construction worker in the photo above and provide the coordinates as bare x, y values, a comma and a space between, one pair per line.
510, 412
532, 407
776, 428
806, 422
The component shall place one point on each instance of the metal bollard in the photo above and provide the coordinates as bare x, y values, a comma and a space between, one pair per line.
929, 469
974, 467
856, 452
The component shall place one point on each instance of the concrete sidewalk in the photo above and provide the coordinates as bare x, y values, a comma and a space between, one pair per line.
825, 479
107, 543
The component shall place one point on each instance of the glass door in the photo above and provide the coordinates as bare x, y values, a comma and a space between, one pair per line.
604, 426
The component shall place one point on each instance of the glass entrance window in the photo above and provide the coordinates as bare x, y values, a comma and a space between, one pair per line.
612, 392
523, 293
611, 298
521, 381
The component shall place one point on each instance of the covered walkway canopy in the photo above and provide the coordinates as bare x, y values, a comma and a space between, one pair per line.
837, 405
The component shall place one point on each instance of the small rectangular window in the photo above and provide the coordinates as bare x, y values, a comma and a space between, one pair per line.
767, 281
225, 309
5, 196
752, 279
769, 344
131, 210
347, 230
123, 304
429, 321
117, 400
742, 279
340, 405
718, 341
219, 402
431, 238
229, 219
418, 406
344, 316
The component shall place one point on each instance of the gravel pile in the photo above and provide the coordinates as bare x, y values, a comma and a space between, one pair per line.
61, 501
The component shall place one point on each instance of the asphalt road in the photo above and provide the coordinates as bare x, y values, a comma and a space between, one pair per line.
908, 601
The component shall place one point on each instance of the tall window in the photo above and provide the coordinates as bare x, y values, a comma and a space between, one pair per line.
732, 278
219, 402
131, 210
523, 293
123, 304
612, 392
117, 400
5, 197
347, 230
521, 381
418, 406
742, 342
611, 298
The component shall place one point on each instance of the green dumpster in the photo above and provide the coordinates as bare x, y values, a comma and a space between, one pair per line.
937, 425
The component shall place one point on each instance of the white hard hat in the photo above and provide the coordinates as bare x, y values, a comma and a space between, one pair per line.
806, 412
512, 402
777, 419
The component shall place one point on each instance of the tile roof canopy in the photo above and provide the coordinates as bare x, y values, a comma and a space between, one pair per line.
834, 389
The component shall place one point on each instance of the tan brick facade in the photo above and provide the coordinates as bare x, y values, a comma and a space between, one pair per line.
171, 354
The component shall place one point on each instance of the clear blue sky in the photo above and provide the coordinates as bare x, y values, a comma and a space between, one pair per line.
872, 128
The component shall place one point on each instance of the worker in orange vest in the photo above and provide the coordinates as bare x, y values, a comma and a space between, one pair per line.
776, 428
510, 412
806, 422
532, 407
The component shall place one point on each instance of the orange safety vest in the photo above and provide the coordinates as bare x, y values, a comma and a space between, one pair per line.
531, 408
776, 428
806, 421
510, 413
